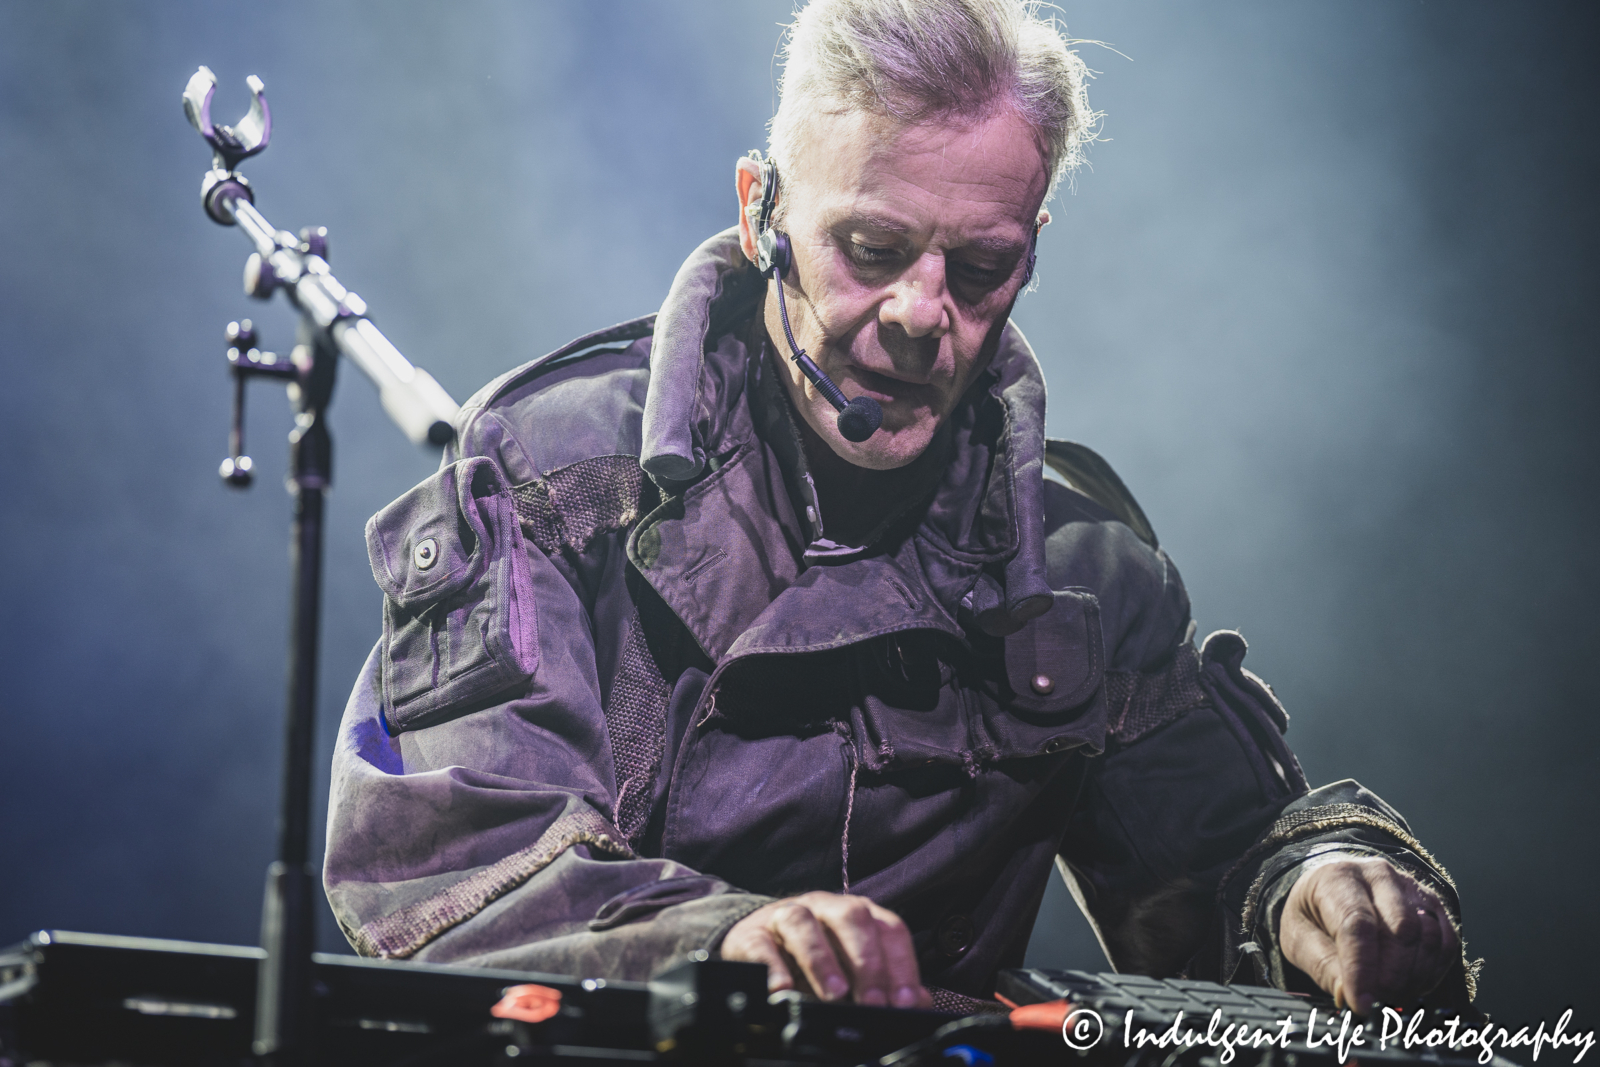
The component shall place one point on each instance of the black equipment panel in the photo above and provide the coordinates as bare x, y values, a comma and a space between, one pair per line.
90, 998
84, 999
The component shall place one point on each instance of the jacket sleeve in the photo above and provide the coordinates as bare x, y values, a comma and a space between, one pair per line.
473, 807
1196, 821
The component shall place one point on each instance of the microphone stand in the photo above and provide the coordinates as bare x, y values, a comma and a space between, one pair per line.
332, 321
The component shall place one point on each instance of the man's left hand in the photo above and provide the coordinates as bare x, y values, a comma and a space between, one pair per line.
1367, 932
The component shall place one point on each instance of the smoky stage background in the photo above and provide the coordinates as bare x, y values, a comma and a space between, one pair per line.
1325, 297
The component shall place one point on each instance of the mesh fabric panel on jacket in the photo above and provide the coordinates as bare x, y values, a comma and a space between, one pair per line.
567, 509
1138, 702
636, 720
572, 506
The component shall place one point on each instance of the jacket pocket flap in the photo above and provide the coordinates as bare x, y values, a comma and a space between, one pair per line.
427, 544
1055, 662
459, 624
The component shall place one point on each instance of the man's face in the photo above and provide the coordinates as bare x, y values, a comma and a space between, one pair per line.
910, 244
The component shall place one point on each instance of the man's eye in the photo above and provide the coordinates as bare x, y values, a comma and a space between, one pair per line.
974, 274
872, 255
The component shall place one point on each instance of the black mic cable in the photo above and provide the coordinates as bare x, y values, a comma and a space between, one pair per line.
858, 419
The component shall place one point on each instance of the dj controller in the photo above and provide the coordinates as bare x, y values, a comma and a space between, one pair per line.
83, 999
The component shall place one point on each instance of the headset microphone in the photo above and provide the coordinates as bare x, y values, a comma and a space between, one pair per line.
858, 419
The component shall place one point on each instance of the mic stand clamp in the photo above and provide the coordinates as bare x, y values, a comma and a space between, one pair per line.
246, 361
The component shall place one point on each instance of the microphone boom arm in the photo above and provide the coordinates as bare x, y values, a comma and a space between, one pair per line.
417, 403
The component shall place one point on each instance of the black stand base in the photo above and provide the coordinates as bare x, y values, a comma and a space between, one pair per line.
283, 1007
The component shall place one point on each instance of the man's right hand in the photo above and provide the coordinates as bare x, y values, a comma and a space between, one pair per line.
832, 945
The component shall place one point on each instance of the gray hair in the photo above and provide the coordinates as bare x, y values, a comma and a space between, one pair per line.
919, 60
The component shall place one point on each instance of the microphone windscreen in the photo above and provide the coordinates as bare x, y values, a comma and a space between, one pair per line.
860, 419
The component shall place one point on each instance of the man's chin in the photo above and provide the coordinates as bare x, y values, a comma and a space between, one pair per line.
890, 447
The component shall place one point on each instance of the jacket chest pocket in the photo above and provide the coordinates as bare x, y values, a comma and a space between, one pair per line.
458, 614
1049, 697
1034, 693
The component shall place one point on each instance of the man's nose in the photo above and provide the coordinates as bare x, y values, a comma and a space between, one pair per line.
918, 301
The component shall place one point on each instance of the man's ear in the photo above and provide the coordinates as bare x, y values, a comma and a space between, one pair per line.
747, 180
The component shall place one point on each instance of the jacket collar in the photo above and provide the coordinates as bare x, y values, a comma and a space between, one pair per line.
728, 547
715, 287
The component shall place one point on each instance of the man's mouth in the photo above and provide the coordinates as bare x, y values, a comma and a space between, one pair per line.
886, 387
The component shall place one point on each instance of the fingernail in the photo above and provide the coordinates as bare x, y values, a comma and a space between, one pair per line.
837, 987
874, 997
905, 997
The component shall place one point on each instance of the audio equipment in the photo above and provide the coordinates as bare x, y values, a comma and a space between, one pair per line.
87, 999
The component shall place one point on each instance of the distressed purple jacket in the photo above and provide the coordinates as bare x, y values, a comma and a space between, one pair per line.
628, 690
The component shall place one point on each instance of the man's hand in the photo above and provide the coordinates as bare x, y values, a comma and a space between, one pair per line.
832, 945
1365, 931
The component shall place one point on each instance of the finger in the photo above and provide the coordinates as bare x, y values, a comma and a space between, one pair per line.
851, 922
1396, 898
801, 935
855, 923
1310, 948
1447, 955
1344, 907
761, 947
1431, 961
903, 977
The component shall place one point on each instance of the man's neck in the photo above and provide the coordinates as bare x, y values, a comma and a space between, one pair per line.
854, 501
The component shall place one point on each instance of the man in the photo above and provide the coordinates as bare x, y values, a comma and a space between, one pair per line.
670, 663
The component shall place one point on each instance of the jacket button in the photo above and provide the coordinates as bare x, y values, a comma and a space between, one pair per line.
426, 554
1058, 744
954, 935
1043, 684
